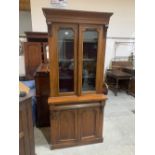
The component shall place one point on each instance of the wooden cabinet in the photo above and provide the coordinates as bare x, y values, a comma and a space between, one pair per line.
76, 62
26, 133
42, 93
76, 124
34, 52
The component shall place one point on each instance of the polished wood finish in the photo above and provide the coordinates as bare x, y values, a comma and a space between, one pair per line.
26, 131
76, 117
36, 36
84, 20
79, 99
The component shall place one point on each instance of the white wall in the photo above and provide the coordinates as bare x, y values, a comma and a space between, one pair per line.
121, 23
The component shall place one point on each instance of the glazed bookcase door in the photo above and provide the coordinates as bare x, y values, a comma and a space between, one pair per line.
90, 58
65, 59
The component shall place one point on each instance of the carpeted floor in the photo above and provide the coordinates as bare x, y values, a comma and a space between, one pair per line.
119, 131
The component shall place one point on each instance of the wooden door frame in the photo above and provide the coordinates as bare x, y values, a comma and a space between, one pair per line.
54, 63
100, 58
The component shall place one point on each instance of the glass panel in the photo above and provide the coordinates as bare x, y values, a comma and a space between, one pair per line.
90, 43
66, 59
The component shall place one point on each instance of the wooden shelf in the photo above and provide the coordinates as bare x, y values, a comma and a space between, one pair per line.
74, 98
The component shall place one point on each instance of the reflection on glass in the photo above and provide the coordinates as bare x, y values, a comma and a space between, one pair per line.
66, 59
47, 52
90, 43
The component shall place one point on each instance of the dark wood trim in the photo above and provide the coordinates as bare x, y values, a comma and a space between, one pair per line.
30, 34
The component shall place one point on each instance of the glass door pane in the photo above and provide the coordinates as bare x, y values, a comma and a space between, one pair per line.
66, 59
90, 44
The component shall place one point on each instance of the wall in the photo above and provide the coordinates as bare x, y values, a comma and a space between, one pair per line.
121, 23
25, 23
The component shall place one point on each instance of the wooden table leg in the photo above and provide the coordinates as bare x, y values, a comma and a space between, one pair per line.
116, 87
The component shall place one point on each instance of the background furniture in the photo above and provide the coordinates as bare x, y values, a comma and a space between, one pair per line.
117, 75
77, 48
121, 64
42, 93
26, 132
131, 71
121, 76
34, 52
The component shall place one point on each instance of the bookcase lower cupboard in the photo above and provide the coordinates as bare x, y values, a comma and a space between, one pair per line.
76, 123
76, 41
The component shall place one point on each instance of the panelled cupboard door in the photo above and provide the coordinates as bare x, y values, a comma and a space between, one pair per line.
64, 126
33, 57
75, 126
63, 56
91, 56
89, 123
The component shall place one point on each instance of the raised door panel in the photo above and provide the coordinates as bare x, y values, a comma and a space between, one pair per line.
64, 126
33, 57
89, 123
